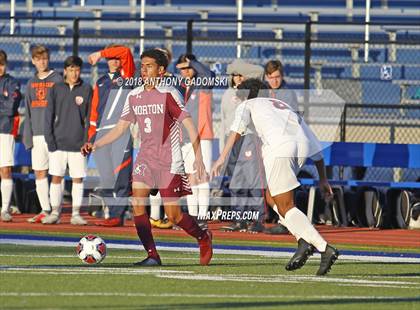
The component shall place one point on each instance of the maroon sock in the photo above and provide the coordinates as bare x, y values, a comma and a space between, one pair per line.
144, 231
190, 225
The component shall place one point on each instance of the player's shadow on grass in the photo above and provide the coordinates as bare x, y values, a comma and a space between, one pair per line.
254, 304
343, 262
264, 304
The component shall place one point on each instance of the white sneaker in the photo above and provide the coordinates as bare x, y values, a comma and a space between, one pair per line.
78, 220
6, 217
53, 218
38, 218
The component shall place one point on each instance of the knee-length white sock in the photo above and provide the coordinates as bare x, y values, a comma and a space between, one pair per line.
77, 197
192, 201
155, 202
203, 199
6, 194
56, 195
298, 224
42, 190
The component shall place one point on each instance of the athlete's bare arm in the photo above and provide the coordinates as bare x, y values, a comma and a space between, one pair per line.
324, 186
195, 139
233, 137
110, 137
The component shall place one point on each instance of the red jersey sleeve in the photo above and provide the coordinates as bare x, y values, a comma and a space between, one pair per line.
93, 118
124, 54
175, 106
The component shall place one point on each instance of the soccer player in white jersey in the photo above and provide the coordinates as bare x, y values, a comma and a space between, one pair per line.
287, 143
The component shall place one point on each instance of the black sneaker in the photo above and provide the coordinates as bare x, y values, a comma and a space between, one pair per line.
238, 226
328, 258
203, 224
149, 262
278, 229
303, 252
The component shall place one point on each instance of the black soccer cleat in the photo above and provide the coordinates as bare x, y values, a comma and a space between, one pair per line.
149, 262
328, 258
303, 252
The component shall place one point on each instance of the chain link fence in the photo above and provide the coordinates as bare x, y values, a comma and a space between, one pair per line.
329, 57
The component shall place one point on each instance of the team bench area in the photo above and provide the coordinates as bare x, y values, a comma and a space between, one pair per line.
357, 202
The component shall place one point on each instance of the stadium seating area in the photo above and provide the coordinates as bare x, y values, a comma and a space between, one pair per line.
272, 29
266, 21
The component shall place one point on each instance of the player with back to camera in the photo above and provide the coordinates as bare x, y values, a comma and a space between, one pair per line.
158, 111
287, 143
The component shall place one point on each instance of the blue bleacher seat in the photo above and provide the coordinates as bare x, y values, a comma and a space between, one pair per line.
380, 92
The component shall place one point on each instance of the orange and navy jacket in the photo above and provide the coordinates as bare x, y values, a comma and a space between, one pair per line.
108, 97
198, 102
10, 97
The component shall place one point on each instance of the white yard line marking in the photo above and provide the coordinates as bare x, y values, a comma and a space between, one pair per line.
293, 279
190, 275
136, 257
233, 296
262, 253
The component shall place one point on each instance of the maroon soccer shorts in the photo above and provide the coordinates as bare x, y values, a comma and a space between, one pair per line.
170, 185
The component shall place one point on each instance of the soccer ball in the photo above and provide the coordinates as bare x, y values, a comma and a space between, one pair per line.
91, 249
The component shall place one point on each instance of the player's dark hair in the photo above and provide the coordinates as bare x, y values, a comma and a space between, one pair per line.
183, 58
273, 65
160, 58
253, 88
3, 57
73, 61
167, 53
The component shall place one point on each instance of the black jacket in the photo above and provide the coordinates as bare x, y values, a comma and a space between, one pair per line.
67, 117
10, 97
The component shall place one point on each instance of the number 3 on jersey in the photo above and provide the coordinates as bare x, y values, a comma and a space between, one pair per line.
148, 125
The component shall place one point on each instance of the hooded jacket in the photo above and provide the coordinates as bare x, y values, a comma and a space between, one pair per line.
9, 103
36, 101
229, 99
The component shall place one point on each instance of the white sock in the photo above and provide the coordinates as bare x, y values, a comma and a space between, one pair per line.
6, 194
192, 201
155, 202
56, 195
282, 221
42, 189
298, 224
76, 197
203, 199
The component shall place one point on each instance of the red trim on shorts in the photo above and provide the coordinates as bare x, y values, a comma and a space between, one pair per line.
122, 166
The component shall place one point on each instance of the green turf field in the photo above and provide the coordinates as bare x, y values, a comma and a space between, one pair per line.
35, 277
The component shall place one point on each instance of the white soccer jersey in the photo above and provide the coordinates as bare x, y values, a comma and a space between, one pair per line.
276, 123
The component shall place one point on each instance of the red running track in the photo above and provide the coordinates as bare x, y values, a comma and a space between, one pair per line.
396, 238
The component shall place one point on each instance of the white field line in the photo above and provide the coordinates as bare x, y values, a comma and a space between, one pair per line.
135, 257
288, 279
271, 254
190, 275
233, 296
90, 270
